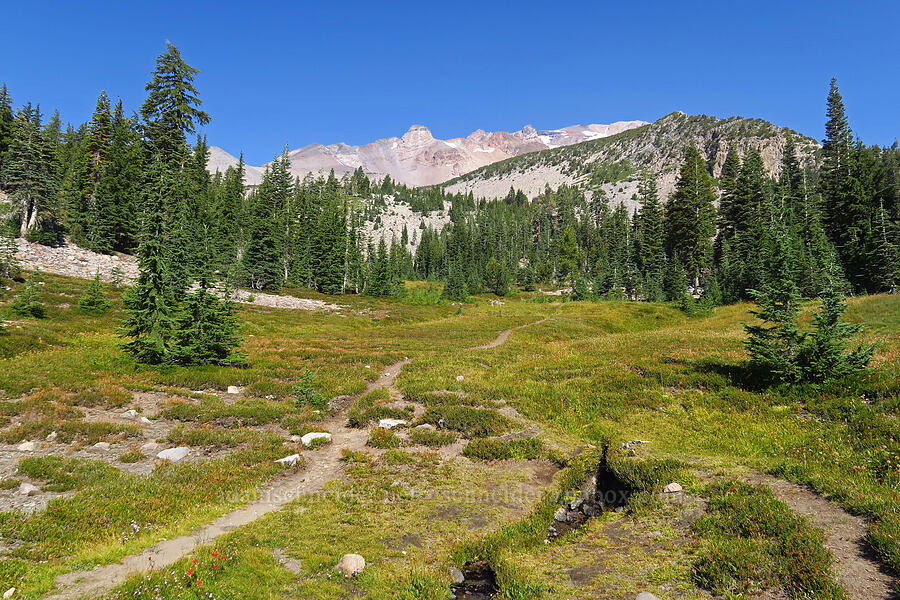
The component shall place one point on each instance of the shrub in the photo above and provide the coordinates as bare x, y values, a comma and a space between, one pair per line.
527, 449
27, 302
132, 456
473, 422
306, 393
430, 437
749, 538
383, 438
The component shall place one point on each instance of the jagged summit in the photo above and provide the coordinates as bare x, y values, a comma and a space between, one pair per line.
418, 158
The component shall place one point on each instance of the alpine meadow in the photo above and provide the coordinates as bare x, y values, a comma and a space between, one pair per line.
637, 360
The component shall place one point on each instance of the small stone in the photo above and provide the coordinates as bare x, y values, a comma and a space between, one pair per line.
9, 593
576, 503
459, 377
425, 427
101, 446
295, 438
560, 515
673, 488
289, 461
51, 437
174, 454
233, 389
149, 447
27, 489
645, 596
27, 447
146, 421
391, 423
351, 564
130, 414
456, 575
316, 435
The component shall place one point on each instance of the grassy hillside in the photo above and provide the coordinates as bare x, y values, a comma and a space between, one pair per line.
590, 372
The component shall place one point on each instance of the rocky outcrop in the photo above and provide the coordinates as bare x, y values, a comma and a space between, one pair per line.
72, 261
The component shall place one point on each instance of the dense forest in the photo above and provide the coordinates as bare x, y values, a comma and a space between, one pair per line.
134, 184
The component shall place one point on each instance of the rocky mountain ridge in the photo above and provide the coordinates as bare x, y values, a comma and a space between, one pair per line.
613, 164
418, 158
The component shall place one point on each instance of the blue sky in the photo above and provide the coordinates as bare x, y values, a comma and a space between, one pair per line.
302, 72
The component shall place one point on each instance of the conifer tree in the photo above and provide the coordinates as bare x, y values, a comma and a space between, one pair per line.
205, 331
172, 108
689, 216
650, 253
774, 346
94, 300
27, 303
261, 260
7, 120
97, 221
28, 175
120, 183
149, 302
823, 355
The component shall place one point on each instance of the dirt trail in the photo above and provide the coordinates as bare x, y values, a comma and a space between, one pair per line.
856, 567
323, 465
501, 339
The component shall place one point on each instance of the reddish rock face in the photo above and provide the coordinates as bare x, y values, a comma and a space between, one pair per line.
418, 158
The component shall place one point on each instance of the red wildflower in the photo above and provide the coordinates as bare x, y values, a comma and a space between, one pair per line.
195, 561
199, 583
215, 566
215, 554
190, 572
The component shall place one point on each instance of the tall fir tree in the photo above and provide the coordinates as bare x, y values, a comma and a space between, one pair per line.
689, 216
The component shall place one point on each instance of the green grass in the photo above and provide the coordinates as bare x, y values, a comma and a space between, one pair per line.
380, 437
592, 372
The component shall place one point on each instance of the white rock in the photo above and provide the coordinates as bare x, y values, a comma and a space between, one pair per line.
316, 435
289, 461
233, 389
673, 488
129, 414
645, 596
295, 438
174, 454
27, 489
560, 515
27, 447
391, 423
9, 593
52, 436
102, 445
146, 421
425, 427
351, 564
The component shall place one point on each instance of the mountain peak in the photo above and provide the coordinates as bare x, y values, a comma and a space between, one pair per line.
418, 135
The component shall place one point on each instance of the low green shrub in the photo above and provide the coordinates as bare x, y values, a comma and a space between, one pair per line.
482, 449
750, 540
383, 438
431, 437
472, 422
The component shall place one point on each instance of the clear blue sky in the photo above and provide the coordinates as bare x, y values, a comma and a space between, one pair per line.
301, 72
